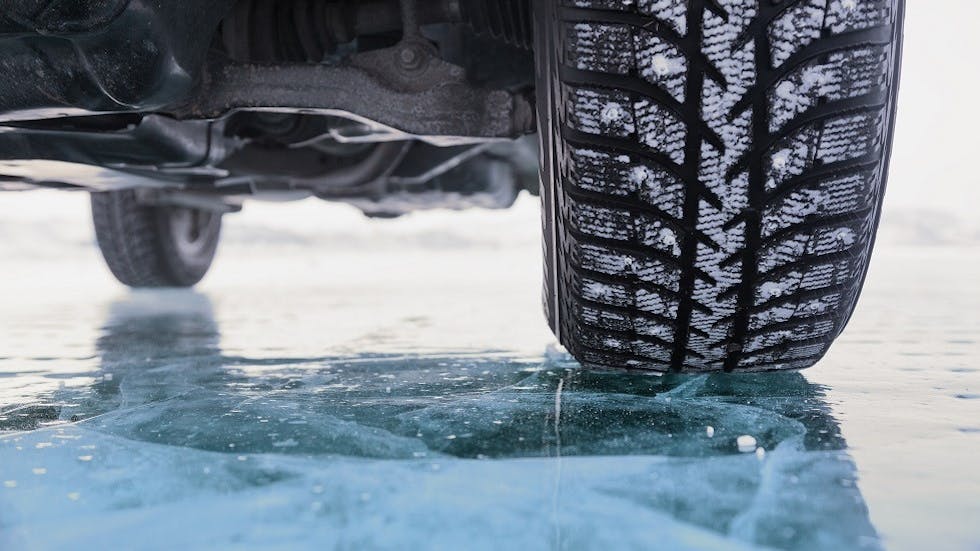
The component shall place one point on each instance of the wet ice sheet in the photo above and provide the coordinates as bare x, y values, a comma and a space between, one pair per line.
394, 386
410, 453
415, 450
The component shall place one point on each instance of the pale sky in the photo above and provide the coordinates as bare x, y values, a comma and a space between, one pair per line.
935, 159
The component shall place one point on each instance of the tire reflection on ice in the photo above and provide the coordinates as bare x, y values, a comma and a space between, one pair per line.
422, 451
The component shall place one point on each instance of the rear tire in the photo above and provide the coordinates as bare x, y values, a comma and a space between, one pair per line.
712, 175
154, 246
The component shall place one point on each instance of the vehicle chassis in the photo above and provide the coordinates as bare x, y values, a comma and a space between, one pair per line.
127, 93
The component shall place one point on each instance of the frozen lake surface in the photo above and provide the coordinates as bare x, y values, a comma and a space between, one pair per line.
339, 383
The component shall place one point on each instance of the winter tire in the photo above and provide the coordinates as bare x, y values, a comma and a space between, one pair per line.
154, 246
712, 175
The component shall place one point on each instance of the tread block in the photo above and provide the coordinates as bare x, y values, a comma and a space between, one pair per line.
812, 278
606, 293
818, 242
792, 156
807, 21
662, 63
849, 137
793, 310
614, 263
605, 48
604, 319
789, 355
835, 140
620, 176
671, 12
854, 15
845, 74
656, 303
619, 49
845, 194
796, 28
801, 332
600, 112
660, 130
623, 225
603, 222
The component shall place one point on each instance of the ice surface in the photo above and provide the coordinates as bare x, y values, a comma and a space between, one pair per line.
189, 445
401, 452
398, 389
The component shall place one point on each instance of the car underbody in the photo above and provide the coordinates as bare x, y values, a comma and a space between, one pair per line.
389, 105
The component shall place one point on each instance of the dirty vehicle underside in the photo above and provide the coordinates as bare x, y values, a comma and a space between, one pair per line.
390, 105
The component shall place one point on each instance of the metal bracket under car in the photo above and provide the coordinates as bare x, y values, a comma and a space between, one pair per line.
136, 90
405, 91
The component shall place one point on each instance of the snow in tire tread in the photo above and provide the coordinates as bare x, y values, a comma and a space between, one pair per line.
720, 177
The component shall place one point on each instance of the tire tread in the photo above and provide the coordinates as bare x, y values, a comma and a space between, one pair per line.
719, 176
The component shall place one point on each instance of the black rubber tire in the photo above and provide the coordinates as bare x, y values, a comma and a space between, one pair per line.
154, 246
712, 175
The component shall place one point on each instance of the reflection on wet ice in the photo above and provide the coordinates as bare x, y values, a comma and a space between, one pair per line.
406, 451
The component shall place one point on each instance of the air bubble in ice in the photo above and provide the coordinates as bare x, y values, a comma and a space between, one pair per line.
746, 443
